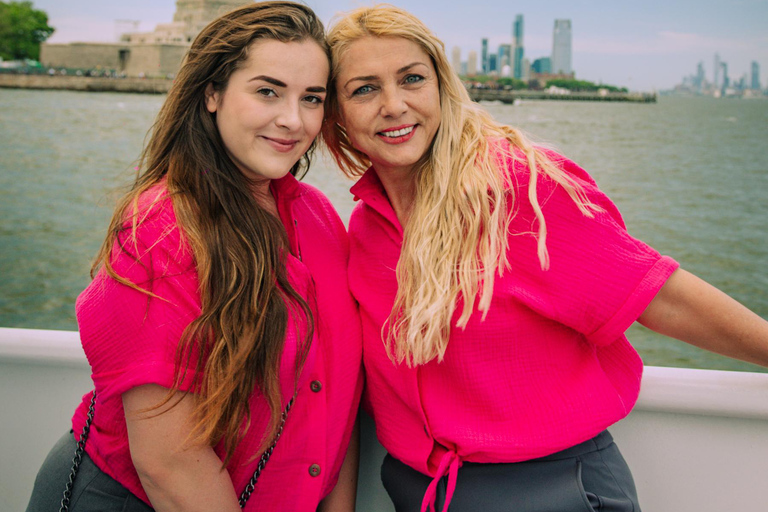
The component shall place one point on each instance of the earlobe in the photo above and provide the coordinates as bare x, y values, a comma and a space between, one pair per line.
211, 98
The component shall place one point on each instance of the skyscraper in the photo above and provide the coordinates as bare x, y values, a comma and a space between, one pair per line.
754, 82
700, 77
456, 59
485, 56
525, 70
716, 78
505, 53
517, 44
561, 48
472, 63
542, 65
493, 65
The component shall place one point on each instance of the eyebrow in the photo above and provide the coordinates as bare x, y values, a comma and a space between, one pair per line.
269, 79
279, 83
374, 77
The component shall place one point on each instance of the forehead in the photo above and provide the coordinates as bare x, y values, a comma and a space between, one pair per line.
295, 58
373, 53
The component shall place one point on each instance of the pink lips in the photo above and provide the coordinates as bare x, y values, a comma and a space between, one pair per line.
281, 145
400, 139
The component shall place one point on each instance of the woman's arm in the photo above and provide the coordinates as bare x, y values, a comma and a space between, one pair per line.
174, 475
342, 497
691, 310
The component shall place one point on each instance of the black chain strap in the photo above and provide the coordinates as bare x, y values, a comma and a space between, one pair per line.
265, 457
243, 497
78, 456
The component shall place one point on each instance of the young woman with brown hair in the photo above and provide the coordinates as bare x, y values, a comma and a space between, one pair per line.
219, 319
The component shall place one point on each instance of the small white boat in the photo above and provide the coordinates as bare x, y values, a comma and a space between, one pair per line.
697, 441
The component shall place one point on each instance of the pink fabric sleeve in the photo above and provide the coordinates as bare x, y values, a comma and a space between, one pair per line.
130, 337
600, 279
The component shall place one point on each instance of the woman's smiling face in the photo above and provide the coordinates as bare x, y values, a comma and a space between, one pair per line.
389, 101
272, 107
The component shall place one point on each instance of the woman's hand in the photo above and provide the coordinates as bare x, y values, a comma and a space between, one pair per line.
175, 475
691, 310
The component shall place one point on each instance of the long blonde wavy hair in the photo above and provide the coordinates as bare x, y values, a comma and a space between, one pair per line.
234, 347
455, 241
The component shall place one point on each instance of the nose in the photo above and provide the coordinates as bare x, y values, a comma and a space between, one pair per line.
393, 102
289, 116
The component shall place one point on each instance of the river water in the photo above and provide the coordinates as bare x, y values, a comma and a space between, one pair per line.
690, 176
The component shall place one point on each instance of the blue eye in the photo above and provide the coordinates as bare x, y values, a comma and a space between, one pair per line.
362, 90
413, 79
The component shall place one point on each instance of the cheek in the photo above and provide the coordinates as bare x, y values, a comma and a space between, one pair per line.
355, 125
313, 122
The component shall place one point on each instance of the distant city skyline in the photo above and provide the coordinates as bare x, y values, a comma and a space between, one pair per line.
643, 46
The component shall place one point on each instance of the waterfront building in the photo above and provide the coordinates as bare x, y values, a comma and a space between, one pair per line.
472, 63
156, 53
726, 81
517, 44
700, 78
505, 53
492, 64
456, 59
542, 65
485, 67
525, 66
716, 77
561, 48
755, 76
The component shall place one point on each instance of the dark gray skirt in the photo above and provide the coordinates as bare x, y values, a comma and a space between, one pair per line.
93, 491
591, 476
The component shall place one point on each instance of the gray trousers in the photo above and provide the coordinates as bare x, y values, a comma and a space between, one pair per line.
591, 476
94, 490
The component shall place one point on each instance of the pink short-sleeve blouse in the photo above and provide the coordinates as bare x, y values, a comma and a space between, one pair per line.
130, 339
548, 368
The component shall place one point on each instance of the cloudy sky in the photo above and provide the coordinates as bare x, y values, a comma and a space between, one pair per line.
643, 45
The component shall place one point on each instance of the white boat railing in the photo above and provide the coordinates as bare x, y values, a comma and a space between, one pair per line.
696, 441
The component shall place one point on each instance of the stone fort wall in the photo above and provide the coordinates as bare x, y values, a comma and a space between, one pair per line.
151, 60
160, 56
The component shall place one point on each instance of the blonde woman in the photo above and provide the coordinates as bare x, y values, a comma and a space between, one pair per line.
219, 321
495, 284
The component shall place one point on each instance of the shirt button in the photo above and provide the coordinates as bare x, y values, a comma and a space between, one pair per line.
314, 470
316, 386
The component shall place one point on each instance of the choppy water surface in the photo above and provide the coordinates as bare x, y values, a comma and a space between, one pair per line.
690, 176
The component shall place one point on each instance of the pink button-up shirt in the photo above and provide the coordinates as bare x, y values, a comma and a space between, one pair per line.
549, 367
131, 340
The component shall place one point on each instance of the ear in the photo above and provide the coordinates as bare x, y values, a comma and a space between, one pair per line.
211, 98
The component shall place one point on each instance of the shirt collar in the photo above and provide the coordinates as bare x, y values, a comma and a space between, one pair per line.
286, 188
370, 190
368, 186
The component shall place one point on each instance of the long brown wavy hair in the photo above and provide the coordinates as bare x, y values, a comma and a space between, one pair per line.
235, 345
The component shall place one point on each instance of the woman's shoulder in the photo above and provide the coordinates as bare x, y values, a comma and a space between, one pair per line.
152, 208
320, 206
150, 227
514, 158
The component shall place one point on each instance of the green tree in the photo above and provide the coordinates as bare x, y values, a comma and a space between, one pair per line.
22, 29
582, 85
512, 83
